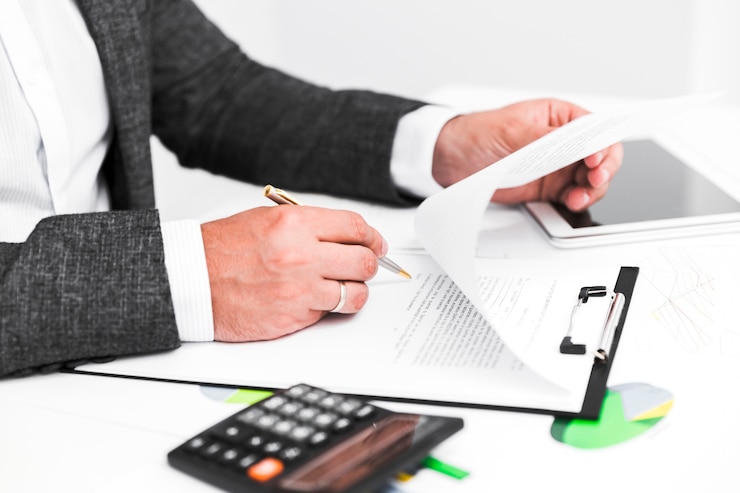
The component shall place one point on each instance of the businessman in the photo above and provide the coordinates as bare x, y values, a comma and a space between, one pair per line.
88, 271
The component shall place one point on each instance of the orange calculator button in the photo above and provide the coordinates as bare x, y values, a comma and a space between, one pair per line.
266, 469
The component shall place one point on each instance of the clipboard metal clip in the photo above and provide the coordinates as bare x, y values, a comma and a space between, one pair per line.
567, 346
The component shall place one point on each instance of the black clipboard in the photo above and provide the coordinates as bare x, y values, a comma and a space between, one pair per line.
596, 390
593, 398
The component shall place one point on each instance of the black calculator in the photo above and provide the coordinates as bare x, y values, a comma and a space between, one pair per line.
308, 439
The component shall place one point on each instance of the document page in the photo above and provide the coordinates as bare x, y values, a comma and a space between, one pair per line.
417, 339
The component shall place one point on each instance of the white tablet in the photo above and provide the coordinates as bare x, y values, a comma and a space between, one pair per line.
654, 195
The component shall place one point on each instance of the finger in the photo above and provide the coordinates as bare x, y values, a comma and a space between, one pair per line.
562, 112
595, 159
576, 198
351, 262
591, 178
597, 194
355, 296
603, 165
349, 228
580, 177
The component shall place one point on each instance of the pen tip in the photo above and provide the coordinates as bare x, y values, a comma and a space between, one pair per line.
405, 274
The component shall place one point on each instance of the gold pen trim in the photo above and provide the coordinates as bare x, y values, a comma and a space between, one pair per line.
280, 196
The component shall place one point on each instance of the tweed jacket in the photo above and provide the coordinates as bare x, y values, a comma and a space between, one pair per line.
94, 286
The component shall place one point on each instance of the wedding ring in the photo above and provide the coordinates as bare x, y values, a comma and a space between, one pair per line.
342, 298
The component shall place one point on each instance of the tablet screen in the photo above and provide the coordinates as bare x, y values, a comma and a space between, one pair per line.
652, 185
653, 190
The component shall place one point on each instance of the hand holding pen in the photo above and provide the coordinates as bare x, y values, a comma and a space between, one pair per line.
282, 197
276, 270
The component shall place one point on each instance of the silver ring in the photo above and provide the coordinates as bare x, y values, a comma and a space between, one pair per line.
342, 298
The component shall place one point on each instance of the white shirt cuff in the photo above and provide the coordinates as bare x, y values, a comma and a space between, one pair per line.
413, 149
185, 259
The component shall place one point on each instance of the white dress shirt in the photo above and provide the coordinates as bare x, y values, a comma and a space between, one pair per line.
55, 129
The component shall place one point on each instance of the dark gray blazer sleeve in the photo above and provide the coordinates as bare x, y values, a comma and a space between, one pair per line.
84, 287
218, 109
95, 285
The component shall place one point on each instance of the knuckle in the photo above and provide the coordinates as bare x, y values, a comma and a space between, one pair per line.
369, 265
358, 227
361, 296
291, 258
279, 259
284, 218
277, 253
288, 292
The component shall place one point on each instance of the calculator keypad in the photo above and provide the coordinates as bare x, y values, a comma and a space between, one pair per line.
267, 437
308, 439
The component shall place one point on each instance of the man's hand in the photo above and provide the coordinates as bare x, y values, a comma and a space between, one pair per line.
471, 142
275, 270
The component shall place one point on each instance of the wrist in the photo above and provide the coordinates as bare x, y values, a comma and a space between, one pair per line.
447, 152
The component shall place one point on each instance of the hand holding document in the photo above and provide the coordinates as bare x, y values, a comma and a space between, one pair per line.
464, 329
460, 207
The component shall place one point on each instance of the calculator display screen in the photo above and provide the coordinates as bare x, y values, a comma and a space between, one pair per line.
355, 458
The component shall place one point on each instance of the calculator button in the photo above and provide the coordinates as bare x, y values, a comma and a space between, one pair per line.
308, 413
212, 449
266, 469
228, 456
300, 433
231, 432
273, 402
330, 401
251, 415
364, 412
342, 424
267, 421
247, 460
290, 453
324, 420
348, 406
196, 444
256, 441
314, 395
318, 438
298, 390
283, 427
290, 408
272, 447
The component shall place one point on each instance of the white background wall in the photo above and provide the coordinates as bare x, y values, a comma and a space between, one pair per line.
632, 48
618, 48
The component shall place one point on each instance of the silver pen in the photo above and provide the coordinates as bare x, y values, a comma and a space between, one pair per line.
282, 197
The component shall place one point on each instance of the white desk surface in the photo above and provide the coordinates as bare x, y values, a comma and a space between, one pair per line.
84, 433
